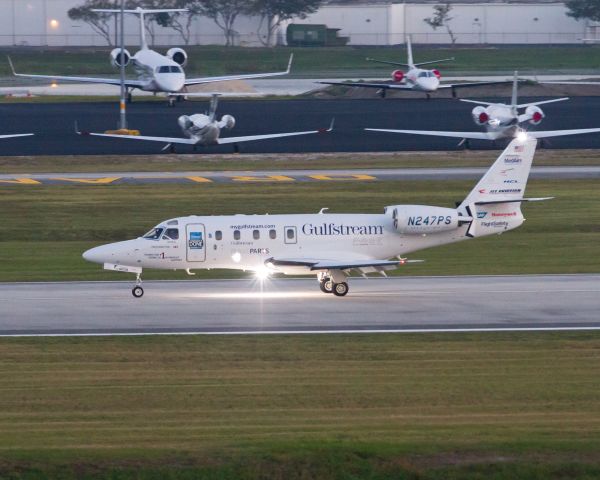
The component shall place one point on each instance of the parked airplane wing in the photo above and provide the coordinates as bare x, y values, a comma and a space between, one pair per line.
198, 81
560, 133
169, 140
390, 86
250, 138
473, 135
108, 81
473, 84
16, 135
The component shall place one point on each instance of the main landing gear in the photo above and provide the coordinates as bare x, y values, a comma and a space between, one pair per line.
138, 291
327, 285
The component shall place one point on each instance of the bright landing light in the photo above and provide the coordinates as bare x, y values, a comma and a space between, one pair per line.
522, 136
262, 273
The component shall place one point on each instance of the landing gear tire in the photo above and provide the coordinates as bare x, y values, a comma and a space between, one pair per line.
137, 291
172, 101
326, 285
340, 289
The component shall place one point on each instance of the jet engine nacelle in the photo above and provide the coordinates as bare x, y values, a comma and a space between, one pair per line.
422, 219
115, 57
535, 113
178, 55
185, 122
227, 121
397, 76
480, 115
437, 73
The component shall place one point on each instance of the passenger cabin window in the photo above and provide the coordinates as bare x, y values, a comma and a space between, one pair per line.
218, 235
290, 233
154, 234
171, 234
272, 234
236, 235
256, 234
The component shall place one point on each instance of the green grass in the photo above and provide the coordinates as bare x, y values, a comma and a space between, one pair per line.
437, 406
200, 162
49, 227
324, 62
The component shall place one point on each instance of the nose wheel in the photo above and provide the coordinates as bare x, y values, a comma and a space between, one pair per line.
138, 291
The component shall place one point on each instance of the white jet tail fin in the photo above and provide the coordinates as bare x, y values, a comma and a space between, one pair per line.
141, 12
506, 179
410, 62
514, 100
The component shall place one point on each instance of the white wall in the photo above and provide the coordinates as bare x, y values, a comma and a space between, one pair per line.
28, 22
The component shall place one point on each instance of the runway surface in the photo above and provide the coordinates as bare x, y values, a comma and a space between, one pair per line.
53, 125
138, 178
489, 303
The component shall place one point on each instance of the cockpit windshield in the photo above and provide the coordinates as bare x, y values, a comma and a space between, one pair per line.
168, 69
426, 74
154, 234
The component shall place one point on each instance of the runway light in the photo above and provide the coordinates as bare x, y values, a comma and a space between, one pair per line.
262, 273
54, 85
522, 136
54, 24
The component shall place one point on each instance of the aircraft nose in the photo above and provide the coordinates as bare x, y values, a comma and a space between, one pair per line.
172, 83
96, 254
429, 84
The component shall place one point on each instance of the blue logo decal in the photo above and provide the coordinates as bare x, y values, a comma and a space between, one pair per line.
196, 241
481, 214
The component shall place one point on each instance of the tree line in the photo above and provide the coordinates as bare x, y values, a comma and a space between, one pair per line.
223, 12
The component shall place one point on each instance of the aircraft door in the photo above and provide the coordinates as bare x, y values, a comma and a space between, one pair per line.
195, 242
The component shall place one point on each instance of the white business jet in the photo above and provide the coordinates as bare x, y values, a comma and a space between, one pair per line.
416, 79
501, 121
155, 72
205, 130
328, 245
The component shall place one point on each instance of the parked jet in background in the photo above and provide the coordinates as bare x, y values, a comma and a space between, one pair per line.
327, 245
501, 121
416, 79
3, 137
205, 130
155, 72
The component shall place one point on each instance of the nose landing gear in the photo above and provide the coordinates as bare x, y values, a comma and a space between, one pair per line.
138, 291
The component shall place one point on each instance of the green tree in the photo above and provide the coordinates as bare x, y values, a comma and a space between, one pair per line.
100, 22
273, 12
441, 18
589, 9
180, 22
224, 13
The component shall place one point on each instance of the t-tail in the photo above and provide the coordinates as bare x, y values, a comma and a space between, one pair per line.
494, 205
212, 110
141, 12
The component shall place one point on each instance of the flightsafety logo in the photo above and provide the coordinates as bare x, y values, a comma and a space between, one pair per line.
341, 229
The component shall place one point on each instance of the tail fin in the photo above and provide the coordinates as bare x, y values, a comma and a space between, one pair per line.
410, 62
141, 12
506, 179
214, 102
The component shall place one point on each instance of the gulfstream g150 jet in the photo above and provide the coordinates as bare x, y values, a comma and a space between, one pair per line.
328, 245
205, 130
501, 121
416, 79
155, 72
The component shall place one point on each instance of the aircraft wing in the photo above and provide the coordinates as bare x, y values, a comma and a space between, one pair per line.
560, 133
473, 135
109, 81
250, 138
317, 264
198, 81
390, 86
473, 84
185, 141
16, 135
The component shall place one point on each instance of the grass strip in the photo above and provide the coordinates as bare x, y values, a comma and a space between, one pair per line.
339, 406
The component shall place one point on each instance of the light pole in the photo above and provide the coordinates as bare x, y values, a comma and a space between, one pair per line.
123, 111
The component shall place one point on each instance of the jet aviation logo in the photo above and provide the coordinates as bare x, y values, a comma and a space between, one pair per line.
196, 241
